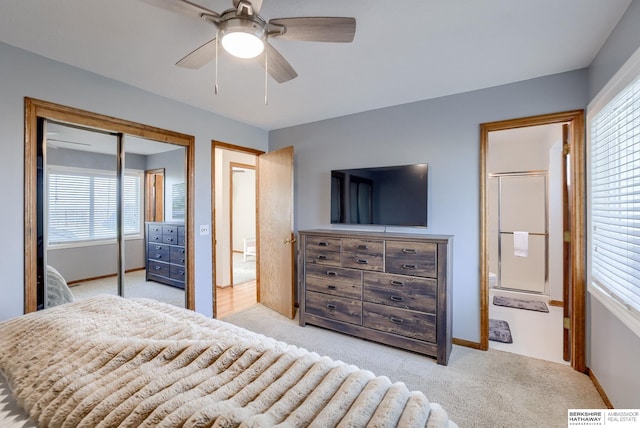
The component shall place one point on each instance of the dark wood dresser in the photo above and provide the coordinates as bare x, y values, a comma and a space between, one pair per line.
166, 256
385, 287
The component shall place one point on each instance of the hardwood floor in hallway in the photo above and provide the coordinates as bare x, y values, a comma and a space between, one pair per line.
233, 299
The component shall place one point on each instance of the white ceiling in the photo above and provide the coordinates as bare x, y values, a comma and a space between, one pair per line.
403, 51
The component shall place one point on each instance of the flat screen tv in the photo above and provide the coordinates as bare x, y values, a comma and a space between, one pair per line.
385, 196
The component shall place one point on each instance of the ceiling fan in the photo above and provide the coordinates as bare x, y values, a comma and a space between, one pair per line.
244, 34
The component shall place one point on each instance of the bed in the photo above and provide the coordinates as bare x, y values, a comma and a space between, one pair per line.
109, 361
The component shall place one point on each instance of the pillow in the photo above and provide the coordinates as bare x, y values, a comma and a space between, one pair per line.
58, 291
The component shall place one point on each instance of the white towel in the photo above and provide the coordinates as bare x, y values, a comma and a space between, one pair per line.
521, 244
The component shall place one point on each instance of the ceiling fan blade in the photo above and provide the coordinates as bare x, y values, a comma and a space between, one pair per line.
277, 67
317, 29
255, 4
199, 56
184, 7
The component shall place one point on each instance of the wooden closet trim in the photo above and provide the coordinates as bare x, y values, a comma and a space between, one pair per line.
34, 109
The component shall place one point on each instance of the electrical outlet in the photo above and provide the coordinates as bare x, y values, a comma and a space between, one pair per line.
204, 229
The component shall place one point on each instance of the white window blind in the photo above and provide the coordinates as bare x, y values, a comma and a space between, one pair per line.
615, 197
82, 204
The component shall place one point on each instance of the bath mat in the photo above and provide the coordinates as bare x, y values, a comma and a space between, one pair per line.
530, 305
499, 331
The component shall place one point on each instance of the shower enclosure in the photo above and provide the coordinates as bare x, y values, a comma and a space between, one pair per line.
520, 224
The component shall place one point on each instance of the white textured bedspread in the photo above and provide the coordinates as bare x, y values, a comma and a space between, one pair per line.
110, 362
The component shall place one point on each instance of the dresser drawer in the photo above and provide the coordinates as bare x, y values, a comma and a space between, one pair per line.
334, 307
177, 255
155, 236
333, 274
322, 256
407, 292
155, 228
363, 254
416, 325
158, 252
181, 236
411, 258
170, 235
159, 268
335, 281
323, 243
176, 272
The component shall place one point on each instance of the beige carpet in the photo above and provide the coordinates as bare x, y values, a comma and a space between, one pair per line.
478, 388
135, 285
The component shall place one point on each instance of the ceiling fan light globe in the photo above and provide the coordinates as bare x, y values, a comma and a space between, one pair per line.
242, 45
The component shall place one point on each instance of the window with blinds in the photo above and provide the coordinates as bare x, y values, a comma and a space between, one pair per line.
82, 205
614, 205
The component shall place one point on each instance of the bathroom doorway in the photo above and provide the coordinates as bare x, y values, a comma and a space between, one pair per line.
531, 279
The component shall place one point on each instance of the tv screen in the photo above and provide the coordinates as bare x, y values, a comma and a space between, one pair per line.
386, 196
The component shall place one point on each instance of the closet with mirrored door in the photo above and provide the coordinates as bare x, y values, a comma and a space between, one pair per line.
97, 187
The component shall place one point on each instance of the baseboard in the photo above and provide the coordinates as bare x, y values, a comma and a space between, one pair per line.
599, 388
466, 343
78, 281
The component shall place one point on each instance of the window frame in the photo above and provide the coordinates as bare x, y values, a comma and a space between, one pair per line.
627, 74
139, 234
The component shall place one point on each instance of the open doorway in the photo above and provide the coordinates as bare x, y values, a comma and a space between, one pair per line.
532, 236
234, 228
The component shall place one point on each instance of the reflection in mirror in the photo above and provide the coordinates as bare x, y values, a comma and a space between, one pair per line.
161, 247
81, 235
79, 208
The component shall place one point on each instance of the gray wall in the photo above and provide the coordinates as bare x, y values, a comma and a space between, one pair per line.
442, 132
26, 74
613, 349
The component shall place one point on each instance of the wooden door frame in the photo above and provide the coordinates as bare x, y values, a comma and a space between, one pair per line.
35, 109
231, 147
575, 119
147, 208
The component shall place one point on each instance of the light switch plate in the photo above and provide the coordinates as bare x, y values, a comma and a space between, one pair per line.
204, 229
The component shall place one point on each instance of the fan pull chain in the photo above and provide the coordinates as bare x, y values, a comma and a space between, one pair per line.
215, 85
266, 75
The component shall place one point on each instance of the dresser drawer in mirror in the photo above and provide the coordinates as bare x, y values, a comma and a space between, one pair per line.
158, 252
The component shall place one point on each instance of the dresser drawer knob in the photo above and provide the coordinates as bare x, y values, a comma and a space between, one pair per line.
170, 239
332, 287
409, 267
396, 320
323, 244
332, 306
158, 268
362, 262
181, 260
331, 273
409, 250
158, 256
363, 247
322, 257
396, 282
396, 299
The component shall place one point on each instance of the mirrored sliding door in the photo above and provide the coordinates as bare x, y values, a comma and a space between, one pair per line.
87, 207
